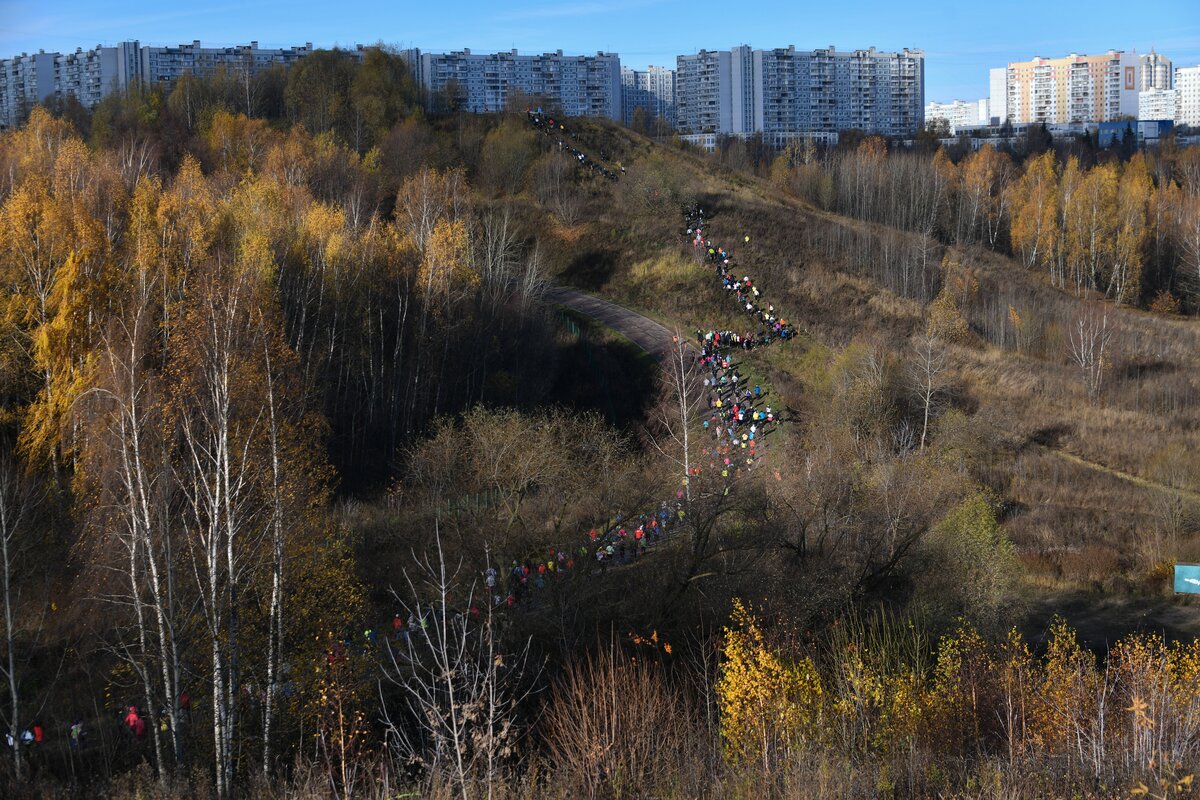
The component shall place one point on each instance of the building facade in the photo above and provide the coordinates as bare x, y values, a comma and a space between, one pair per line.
959, 114
168, 64
1074, 89
1158, 104
1187, 102
1145, 132
784, 92
652, 90
582, 86
1156, 72
25, 80
703, 92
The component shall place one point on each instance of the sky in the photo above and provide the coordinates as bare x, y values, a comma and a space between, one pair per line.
961, 39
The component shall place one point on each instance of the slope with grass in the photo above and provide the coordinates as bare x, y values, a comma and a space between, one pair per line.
1096, 496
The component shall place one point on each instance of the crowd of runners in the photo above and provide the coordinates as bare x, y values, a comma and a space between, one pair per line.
564, 139
736, 416
735, 419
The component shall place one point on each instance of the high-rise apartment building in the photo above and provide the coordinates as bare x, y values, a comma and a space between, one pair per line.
652, 90
1156, 72
582, 86
89, 75
703, 92
24, 81
1074, 89
784, 92
959, 114
1187, 108
1157, 104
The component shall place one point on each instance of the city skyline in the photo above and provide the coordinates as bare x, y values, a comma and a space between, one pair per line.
961, 43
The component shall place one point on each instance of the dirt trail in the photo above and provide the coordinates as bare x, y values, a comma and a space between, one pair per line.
1137, 480
653, 337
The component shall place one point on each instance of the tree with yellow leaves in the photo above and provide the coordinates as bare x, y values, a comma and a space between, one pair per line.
445, 269
1034, 204
1128, 248
1073, 705
946, 321
36, 230
1068, 187
985, 176
35, 146
767, 707
239, 144
1092, 227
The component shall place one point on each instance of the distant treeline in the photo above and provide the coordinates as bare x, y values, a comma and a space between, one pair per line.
1129, 230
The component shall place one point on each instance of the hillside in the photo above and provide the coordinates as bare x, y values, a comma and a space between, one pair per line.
1098, 496
324, 472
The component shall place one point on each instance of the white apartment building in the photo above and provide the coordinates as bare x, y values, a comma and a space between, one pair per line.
1157, 104
703, 92
783, 92
959, 114
1187, 107
652, 90
90, 75
25, 80
582, 86
1156, 72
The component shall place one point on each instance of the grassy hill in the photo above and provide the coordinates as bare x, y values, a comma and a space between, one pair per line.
1097, 496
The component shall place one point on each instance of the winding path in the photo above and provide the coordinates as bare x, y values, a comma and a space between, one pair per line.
652, 337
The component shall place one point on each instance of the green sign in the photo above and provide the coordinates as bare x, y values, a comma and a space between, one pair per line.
1187, 578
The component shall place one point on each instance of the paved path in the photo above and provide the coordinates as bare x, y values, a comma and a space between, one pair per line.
647, 334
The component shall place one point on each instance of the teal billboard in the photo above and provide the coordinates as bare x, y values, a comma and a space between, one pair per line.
1187, 578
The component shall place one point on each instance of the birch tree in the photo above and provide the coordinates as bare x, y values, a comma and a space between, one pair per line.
928, 364
217, 420
15, 503
683, 391
125, 466
1034, 204
1088, 344
1129, 244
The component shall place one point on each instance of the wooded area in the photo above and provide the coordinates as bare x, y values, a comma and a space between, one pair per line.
290, 432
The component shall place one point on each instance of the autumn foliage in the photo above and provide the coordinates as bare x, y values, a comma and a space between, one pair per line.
1062, 711
298, 462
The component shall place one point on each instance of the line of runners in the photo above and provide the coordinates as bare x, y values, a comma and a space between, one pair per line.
735, 420
555, 128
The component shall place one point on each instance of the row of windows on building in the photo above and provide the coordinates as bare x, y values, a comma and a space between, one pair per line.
90, 75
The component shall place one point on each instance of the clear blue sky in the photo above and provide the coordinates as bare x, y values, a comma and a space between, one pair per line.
961, 39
